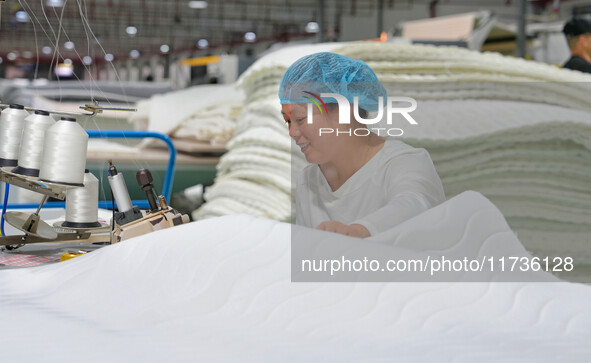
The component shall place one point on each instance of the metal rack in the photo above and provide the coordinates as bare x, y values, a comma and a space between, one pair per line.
58, 191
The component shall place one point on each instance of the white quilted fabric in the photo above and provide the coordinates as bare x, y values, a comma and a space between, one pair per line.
220, 290
259, 156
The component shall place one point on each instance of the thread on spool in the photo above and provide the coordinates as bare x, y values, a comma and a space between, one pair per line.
31, 150
64, 153
82, 204
11, 133
119, 190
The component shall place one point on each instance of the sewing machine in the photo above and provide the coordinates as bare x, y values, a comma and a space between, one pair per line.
124, 225
128, 222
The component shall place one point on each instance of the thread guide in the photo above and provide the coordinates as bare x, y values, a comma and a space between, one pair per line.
31, 225
54, 190
92, 108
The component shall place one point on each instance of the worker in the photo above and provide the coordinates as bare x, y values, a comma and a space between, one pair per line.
358, 183
578, 35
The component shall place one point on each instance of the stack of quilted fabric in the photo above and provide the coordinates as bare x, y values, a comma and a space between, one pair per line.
515, 130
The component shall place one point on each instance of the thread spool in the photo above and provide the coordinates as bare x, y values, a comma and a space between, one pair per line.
119, 189
82, 204
31, 150
64, 153
11, 133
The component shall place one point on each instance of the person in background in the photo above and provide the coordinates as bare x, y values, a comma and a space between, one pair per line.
578, 35
356, 184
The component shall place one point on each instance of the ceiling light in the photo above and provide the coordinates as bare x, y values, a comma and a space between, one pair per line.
109, 57
68, 61
164, 48
134, 53
11, 56
250, 37
46, 50
87, 60
202, 44
198, 4
54, 3
21, 16
64, 70
312, 27
69, 45
131, 30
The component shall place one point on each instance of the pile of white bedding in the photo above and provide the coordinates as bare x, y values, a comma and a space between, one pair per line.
204, 113
516, 130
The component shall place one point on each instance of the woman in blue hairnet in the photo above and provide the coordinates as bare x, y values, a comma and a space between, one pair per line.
359, 183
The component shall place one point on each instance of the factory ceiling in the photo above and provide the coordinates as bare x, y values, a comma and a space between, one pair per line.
124, 29
98, 27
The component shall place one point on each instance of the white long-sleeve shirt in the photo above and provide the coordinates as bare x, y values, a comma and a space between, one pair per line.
397, 183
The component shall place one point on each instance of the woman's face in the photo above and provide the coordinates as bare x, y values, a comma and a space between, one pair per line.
317, 149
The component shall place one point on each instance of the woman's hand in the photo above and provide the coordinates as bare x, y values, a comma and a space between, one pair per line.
353, 230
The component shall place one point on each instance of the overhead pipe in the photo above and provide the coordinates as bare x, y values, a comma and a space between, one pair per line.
380, 22
321, 22
268, 12
337, 20
433, 8
521, 36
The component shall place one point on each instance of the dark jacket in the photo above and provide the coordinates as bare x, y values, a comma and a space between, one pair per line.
578, 64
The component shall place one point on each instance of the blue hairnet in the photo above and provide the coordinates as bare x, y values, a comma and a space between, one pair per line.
331, 73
